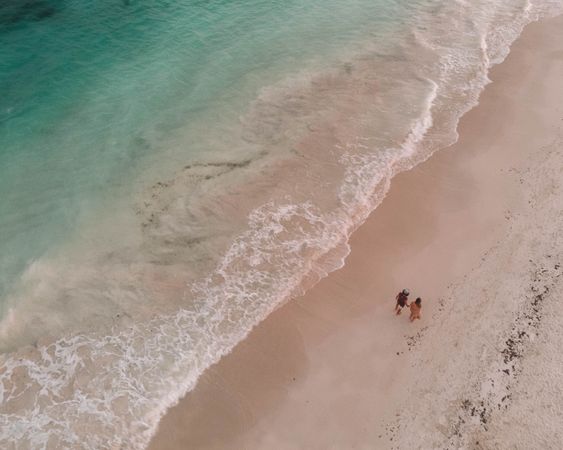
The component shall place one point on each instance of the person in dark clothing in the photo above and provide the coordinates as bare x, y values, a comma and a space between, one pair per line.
402, 301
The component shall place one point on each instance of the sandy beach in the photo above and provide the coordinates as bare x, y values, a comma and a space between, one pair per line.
477, 232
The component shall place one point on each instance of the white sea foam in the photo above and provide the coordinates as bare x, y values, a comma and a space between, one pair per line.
108, 389
368, 175
112, 385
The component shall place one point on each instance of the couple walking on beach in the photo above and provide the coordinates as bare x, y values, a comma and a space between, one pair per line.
403, 300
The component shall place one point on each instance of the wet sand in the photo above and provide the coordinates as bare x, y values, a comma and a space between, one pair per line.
336, 368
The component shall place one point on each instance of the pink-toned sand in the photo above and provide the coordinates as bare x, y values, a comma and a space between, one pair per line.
470, 231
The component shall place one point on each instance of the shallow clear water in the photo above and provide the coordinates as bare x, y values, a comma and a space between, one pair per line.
171, 171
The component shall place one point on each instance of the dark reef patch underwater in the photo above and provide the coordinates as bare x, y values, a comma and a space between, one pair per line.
13, 12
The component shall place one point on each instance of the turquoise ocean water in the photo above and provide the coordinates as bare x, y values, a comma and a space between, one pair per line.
90, 90
170, 171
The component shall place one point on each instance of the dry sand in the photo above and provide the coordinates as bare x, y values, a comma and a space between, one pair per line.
476, 231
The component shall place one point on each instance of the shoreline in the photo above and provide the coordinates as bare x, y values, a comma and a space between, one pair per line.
288, 377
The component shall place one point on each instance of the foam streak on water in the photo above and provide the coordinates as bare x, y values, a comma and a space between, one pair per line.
246, 186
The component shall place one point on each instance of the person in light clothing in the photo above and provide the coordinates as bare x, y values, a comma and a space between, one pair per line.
416, 306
